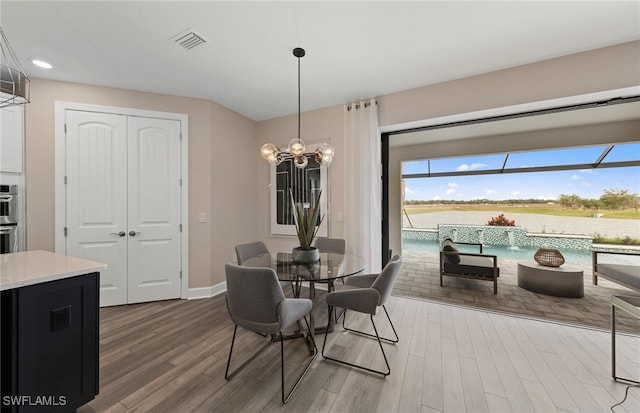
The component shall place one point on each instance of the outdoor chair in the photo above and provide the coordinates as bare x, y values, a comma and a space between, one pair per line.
475, 266
255, 301
364, 294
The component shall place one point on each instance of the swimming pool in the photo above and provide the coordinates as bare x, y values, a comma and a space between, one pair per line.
517, 253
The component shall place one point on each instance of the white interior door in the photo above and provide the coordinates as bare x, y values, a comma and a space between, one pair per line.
154, 209
123, 203
96, 213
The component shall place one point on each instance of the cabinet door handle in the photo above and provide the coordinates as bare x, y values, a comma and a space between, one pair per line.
120, 234
133, 233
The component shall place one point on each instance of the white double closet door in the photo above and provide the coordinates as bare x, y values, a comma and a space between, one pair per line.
123, 203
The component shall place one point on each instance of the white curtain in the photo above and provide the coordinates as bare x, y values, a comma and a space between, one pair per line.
363, 185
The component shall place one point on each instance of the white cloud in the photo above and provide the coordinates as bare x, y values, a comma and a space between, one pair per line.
473, 166
451, 191
479, 165
585, 184
436, 198
577, 177
452, 185
491, 192
409, 190
515, 193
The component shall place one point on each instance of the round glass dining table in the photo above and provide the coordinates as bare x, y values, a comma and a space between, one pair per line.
331, 266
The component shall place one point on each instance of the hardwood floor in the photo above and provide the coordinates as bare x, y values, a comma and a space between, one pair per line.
170, 357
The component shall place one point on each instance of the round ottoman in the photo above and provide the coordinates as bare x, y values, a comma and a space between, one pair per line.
563, 281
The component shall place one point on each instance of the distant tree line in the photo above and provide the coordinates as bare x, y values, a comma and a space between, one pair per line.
612, 199
478, 202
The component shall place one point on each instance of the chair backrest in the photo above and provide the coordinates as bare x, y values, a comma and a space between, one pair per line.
330, 245
244, 251
253, 295
387, 278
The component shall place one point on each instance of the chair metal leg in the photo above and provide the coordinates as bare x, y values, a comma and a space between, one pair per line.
226, 373
306, 368
388, 340
339, 315
285, 398
384, 373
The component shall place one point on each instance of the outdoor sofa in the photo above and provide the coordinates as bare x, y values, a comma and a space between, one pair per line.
624, 274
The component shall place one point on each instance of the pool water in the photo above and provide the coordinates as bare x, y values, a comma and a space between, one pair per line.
517, 253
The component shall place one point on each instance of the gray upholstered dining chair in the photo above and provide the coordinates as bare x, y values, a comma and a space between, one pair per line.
364, 294
255, 301
330, 245
244, 251
337, 245
252, 249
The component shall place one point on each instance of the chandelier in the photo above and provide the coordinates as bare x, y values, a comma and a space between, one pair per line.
296, 148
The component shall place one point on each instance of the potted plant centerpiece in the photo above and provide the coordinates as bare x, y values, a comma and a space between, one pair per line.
307, 220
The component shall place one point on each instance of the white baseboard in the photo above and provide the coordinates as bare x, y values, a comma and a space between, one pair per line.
206, 292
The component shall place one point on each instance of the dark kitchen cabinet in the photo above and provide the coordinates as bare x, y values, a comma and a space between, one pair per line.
49, 345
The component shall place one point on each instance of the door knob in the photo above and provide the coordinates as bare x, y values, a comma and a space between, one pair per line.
133, 233
120, 234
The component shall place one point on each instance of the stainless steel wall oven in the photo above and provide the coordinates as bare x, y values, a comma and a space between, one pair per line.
8, 218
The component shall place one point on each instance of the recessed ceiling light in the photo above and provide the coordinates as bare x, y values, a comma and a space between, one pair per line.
41, 63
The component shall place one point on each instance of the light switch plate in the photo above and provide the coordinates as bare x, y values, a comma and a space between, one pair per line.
202, 217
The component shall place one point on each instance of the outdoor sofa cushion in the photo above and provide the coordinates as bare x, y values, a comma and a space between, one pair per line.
448, 245
472, 265
627, 274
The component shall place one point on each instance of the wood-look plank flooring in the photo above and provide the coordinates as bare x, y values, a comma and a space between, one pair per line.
170, 357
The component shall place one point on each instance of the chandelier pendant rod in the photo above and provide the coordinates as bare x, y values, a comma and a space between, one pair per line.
298, 97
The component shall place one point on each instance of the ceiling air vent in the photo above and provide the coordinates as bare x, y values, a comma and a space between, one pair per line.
189, 39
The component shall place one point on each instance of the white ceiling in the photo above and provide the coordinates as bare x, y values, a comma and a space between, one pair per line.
355, 49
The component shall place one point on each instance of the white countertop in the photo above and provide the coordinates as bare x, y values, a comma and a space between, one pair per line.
21, 269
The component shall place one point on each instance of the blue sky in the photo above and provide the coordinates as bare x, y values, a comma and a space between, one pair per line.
537, 185
586, 183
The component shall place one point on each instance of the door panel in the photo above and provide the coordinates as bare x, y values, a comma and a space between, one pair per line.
154, 209
97, 196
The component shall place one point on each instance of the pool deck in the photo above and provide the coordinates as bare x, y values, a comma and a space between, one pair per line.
419, 277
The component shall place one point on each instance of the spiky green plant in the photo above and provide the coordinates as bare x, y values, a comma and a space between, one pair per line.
307, 220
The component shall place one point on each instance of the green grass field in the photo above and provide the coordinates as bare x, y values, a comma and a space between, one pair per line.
537, 209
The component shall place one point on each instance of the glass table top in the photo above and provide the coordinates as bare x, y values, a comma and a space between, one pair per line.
331, 266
